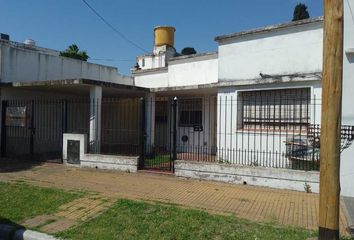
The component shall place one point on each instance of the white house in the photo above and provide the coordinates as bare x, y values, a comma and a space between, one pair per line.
255, 102
247, 113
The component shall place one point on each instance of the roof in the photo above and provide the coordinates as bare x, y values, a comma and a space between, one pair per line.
269, 28
30, 47
79, 81
315, 76
165, 26
150, 70
197, 55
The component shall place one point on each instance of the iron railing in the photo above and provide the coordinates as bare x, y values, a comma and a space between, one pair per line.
276, 129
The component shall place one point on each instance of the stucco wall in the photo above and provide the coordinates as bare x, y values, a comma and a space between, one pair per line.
152, 79
193, 72
98, 161
347, 161
257, 176
181, 72
19, 64
278, 52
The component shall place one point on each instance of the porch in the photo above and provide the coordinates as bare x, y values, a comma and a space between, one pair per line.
240, 133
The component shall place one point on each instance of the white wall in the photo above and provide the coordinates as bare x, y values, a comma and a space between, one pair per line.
347, 161
257, 176
154, 79
19, 64
278, 52
193, 72
181, 72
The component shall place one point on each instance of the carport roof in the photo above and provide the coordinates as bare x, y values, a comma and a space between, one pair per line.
74, 82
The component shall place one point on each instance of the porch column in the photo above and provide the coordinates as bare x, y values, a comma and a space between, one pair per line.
150, 121
95, 118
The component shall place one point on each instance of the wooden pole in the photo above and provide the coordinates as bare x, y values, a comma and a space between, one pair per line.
331, 120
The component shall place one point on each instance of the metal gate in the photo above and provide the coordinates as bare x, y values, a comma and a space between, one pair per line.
159, 144
33, 129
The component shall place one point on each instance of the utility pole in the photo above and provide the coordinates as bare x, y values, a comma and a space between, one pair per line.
331, 120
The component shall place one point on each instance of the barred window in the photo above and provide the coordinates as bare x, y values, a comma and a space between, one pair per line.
190, 112
283, 109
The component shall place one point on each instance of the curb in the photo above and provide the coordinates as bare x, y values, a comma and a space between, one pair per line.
9, 232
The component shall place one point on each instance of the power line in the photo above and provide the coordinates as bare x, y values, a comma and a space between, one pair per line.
112, 27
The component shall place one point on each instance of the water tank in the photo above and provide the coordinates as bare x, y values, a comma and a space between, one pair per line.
4, 36
164, 35
30, 42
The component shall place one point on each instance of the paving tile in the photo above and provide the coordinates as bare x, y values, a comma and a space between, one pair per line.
58, 226
253, 203
38, 220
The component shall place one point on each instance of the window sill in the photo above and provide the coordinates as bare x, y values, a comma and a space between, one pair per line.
272, 131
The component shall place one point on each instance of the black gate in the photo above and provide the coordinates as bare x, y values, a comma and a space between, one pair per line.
33, 129
158, 147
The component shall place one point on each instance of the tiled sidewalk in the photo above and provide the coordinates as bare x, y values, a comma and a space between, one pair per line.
253, 203
70, 214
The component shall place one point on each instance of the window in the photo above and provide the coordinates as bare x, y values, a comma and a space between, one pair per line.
190, 112
283, 109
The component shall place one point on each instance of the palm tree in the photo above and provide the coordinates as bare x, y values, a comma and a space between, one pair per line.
73, 52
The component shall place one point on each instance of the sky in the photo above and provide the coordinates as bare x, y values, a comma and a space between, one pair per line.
58, 23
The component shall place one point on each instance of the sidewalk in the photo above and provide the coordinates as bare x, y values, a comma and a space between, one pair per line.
253, 203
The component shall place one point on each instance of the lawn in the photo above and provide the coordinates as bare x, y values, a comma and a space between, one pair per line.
20, 201
128, 219
158, 160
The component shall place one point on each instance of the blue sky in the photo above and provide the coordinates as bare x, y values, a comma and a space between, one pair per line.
59, 23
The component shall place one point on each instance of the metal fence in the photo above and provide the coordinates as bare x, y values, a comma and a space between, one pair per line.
120, 126
33, 129
276, 129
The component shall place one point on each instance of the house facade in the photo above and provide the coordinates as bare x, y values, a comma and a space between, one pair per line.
247, 113
255, 102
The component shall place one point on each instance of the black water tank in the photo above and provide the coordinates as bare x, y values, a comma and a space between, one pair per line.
4, 36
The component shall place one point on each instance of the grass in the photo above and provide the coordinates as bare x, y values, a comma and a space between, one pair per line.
157, 160
128, 219
20, 201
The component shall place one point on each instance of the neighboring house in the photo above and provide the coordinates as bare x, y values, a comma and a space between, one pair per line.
55, 95
249, 113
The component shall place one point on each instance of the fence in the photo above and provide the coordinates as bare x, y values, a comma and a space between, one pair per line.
270, 128
277, 129
33, 129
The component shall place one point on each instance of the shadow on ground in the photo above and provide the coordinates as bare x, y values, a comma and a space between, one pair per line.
15, 165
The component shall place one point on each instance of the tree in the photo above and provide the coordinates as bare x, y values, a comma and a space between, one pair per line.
73, 52
188, 51
300, 12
